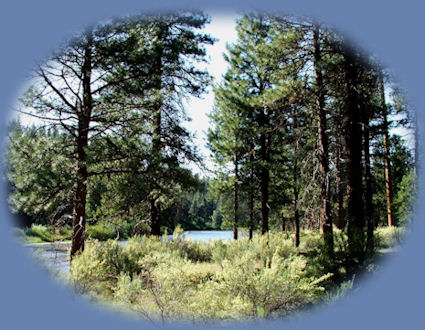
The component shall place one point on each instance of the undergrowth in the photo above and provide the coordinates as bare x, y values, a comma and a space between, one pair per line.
180, 279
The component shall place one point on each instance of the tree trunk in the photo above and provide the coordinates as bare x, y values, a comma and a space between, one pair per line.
264, 200
156, 147
295, 201
84, 115
339, 173
155, 221
283, 225
236, 205
251, 194
79, 209
353, 142
264, 177
157, 75
368, 177
325, 207
388, 182
177, 217
295, 189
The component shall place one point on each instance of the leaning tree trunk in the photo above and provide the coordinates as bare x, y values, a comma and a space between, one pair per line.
353, 142
388, 182
84, 115
325, 207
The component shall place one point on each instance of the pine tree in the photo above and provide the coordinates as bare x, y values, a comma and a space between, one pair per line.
104, 86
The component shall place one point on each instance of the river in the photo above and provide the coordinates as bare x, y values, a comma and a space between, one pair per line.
55, 256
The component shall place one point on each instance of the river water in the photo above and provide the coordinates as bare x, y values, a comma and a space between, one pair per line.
55, 256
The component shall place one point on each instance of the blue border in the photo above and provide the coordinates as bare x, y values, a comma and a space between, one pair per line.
391, 29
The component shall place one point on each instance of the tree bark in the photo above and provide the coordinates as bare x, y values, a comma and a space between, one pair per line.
84, 115
155, 218
236, 205
368, 177
295, 201
388, 183
283, 225
264, 176
295, 185
251, 197
339, 173
353, 142
325, 207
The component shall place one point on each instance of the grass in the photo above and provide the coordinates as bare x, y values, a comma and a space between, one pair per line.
45, 234
389, 237
42, 234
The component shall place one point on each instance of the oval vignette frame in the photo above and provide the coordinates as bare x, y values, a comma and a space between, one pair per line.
390, 300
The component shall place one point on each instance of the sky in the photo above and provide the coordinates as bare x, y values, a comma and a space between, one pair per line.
223, 28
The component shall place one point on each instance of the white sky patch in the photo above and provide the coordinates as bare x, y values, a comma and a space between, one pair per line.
223, 28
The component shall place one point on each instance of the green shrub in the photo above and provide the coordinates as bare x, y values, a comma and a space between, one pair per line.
262, 247
181, 279
40, 233
277, 288
100, 232
387, 237
339, 292
99, 266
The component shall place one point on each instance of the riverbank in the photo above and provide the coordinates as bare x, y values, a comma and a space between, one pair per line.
49, 234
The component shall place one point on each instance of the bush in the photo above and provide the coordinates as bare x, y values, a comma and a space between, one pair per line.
388, 237
181, 279
275, 289
41, 233
99, 266
100, 232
